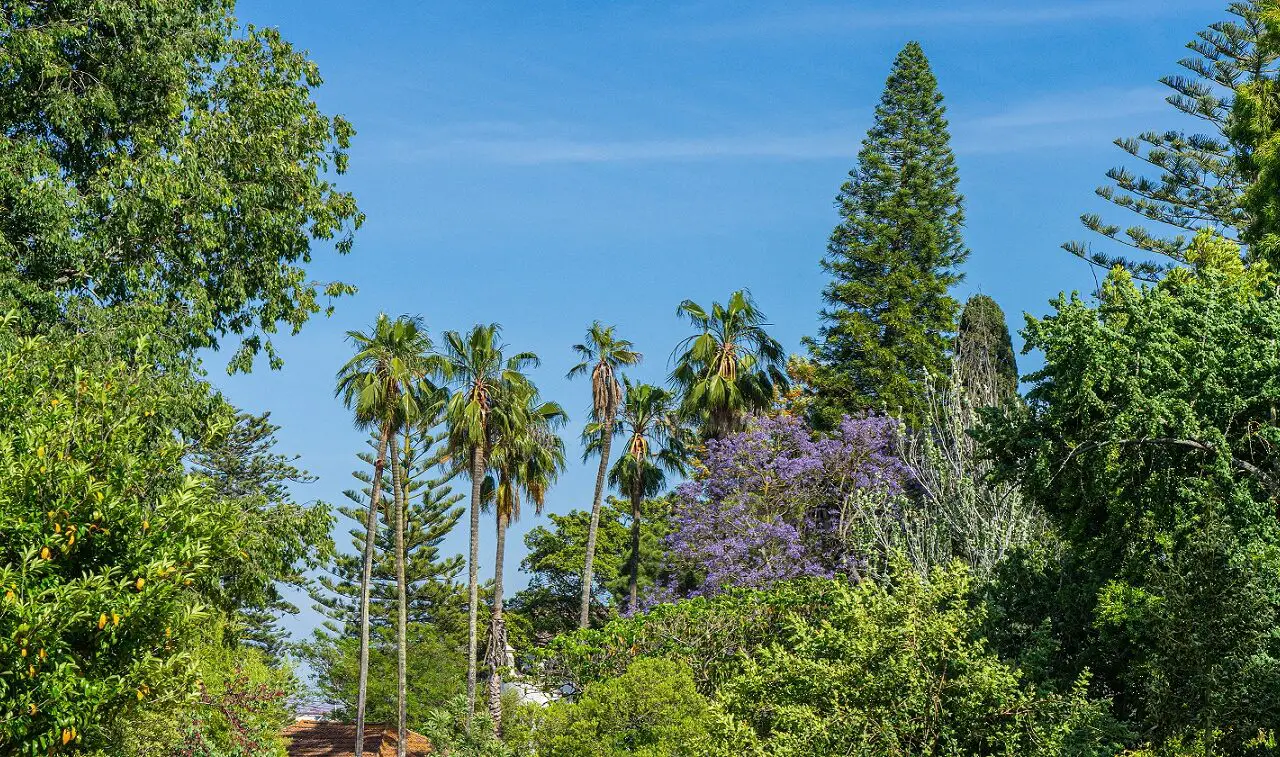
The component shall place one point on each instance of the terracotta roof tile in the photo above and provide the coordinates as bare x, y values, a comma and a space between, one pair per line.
323, 739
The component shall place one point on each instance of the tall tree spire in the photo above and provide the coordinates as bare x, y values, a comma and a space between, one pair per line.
893, 259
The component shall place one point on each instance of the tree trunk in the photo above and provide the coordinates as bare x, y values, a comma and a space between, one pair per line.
366, 578
497, 631
633, 583
473, 579
399, 496
584, 613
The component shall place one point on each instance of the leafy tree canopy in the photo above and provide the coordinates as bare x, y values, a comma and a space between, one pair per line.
1148, 441
162, 152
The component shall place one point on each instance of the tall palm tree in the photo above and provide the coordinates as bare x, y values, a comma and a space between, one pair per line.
484, 381
731, 368
649, 421
602, 355
382, 385
420, 416
526, 459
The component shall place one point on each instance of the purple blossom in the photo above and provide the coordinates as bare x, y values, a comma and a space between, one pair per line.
778, 501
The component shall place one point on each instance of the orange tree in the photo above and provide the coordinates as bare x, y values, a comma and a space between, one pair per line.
107, 545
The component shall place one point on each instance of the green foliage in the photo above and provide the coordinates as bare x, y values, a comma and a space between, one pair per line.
284, 538
436, 669
652, 709
1255, 121
893, 258
432, 513
731, 368
234, 703
706, 634
985, 365
1148, 441
162, 152
436, 616
826, 667
1204, 178
107, 546
454, 731
554, 561
902, 671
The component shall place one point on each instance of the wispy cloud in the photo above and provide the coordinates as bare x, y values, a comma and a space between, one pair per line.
1078, 118
839, 19
1061, 120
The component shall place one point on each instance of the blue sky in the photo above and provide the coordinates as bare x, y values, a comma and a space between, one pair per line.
542, 165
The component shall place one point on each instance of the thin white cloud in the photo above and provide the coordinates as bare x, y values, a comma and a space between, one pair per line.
1068, 119
833, 19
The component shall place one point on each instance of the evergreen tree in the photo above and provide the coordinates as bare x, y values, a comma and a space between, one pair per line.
1203, 178
243, 466
893, 258
985, 364
432, 591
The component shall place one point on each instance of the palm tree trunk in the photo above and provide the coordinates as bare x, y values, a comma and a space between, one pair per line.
497, 631
399, 495
366, 578
584, 614
633, 583
473, 579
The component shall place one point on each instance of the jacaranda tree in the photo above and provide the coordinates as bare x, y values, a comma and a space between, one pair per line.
777, 502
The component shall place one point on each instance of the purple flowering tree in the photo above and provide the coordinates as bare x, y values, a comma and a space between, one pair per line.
778, 501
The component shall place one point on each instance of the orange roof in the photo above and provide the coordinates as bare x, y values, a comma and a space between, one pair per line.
316, 738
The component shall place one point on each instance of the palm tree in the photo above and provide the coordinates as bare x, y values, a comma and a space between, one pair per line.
420, 416
526, 459
382, 384
602, 354
731, 368
649, 421
485, 382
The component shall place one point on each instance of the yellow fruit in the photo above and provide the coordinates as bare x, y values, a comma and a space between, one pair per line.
146, 524
71, 540
43, 656
139, 695
44, 553
31, 708
57, 528
54, 402
141, 583
31, 671
115, 619
9, 596
66, 735
24, 651
102, 621
40, 451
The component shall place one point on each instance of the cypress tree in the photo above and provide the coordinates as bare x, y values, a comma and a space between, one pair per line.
985, 365
894, 256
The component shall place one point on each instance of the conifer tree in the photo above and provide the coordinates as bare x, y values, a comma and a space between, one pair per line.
1217, 178
894, 256
433, 595
245, 466
985, 364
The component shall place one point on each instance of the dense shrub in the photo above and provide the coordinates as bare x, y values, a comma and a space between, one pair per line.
819, 666
651, 709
